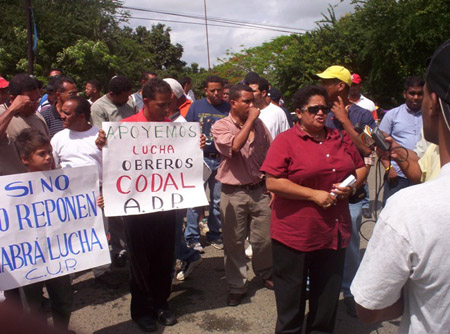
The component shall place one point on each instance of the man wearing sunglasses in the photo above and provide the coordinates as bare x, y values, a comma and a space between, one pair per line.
344, 115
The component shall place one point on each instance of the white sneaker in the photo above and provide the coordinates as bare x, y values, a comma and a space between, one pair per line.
188, 268
197, 246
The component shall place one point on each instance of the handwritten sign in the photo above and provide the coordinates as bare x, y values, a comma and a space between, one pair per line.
50, 225
152, 166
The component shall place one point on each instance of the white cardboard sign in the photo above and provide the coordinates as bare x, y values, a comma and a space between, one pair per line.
152, 166
50, 225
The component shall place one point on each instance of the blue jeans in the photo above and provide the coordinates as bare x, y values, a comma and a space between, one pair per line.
352, 255
192, 232
182, 251
366, 201
391, 190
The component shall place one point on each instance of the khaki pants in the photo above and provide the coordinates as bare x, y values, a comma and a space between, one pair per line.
245, 212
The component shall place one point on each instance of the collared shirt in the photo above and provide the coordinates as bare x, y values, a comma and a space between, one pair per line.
404, 125
298, 157
53, 120
243, 167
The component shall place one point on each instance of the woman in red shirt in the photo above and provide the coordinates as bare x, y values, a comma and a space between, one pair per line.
310, 227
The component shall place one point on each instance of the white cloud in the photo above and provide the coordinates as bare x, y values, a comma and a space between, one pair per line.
291, 13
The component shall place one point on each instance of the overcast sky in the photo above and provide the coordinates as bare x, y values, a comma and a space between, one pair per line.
300, 14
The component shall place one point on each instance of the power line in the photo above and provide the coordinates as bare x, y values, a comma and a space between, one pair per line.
220, 20
202, 23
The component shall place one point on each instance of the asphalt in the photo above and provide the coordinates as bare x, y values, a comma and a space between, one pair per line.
199, 303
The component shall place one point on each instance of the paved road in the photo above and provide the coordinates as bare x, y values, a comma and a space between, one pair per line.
199, 304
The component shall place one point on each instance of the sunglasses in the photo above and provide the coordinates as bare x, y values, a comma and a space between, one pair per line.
315, 109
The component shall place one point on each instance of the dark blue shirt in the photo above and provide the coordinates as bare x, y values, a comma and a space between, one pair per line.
207, 114
359, 117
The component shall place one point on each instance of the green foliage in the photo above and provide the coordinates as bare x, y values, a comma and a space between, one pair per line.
383, 40
85, 39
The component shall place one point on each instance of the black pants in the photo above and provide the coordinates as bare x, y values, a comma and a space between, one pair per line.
151, 245
290, 270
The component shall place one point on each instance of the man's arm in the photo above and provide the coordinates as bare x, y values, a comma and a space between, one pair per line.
241, 137
19, 103
407, 160
342, 116
388, 313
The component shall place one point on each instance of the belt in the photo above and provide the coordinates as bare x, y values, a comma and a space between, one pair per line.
212, 155
246, 186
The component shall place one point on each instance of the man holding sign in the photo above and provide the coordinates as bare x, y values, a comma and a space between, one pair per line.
149, 224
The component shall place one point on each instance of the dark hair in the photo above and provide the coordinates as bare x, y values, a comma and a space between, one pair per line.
302, 96
95, 83
145, 74
21, 83
236, 91
250, 76
228, 86
212, 78
83, 106
413, 81
59, 83
29, 140
119, 84
262, 83
184, 81
155, 86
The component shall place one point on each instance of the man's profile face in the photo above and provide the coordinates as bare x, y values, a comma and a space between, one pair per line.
413, 97
214, 92
430, 130
258, 95
3, 95
332, 87
120, 99
90, 90
68, 115
157, 109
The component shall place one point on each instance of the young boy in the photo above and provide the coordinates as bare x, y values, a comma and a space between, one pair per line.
35, 152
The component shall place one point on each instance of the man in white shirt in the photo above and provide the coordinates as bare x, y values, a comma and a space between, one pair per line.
272, 116
406, 270
75, 147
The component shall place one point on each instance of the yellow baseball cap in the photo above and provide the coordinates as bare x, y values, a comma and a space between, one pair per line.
337, 72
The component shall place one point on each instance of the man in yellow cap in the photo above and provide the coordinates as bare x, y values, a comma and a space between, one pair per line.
346, 116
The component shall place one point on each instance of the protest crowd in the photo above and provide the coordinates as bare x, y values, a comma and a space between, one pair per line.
286, 189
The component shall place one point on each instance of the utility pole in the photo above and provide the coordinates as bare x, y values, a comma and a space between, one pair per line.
207, 39
29, 36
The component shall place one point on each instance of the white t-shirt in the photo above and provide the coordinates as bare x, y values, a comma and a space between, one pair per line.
274, 119
409, 250
366, 103
77, 149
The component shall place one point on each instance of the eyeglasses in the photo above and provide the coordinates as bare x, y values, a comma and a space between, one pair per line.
315, 109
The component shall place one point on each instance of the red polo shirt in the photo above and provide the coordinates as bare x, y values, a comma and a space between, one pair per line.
139, 117
302, 224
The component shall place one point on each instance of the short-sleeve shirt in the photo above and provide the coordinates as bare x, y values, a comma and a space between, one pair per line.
408, 251
10, 162
103, 110
242, 168
298, 157
207, 114
404, 125
52, 119
359, 117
